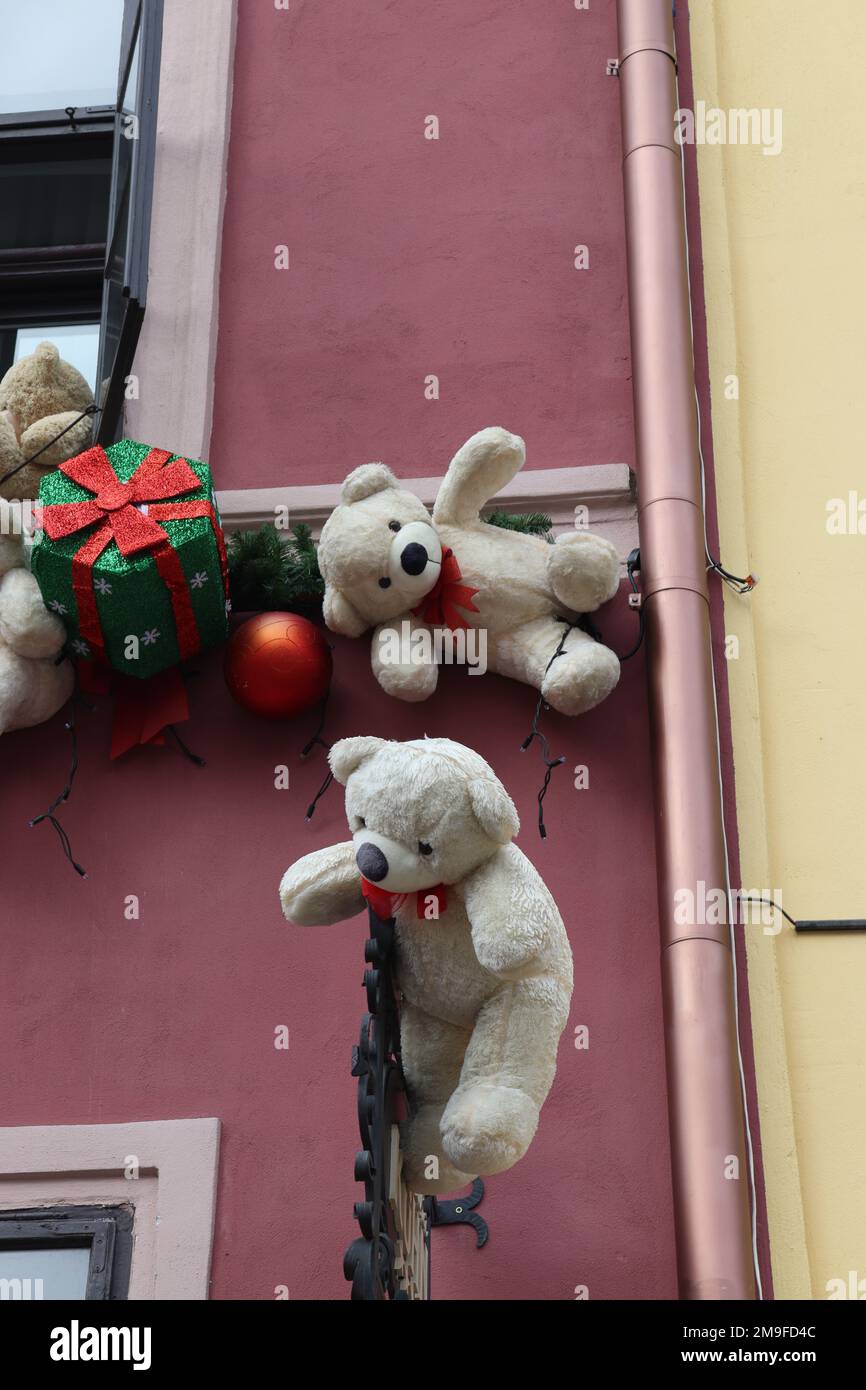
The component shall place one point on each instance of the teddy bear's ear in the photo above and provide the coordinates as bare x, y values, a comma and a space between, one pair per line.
45, 357
493, 809
366, 481
349, 753
340, 615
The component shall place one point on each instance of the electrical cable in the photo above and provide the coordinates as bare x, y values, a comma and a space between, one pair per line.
308, 746
64, 795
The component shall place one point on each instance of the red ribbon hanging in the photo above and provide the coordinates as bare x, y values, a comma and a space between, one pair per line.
116, 509
438, 607
386, 904
143, 709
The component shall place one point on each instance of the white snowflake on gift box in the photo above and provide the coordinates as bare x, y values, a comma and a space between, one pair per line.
150, 637
228, 606
58, 606
80, 647
102, 586
199, 579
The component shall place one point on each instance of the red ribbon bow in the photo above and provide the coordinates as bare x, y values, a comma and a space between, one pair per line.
438, 607
116, 509
386, 904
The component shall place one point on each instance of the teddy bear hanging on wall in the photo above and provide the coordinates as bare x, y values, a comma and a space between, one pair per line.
388, 564
483, 963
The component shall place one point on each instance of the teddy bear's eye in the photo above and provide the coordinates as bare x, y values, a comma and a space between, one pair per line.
362, 824
384, 583
424, 848
393, 526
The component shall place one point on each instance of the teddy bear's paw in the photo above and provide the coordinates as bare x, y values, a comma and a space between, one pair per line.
410, 683
583, 676
42, 438
426, 1169
583, 570
26, 625
486, 1128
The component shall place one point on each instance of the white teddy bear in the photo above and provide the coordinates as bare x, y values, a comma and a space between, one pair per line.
483, 963
388, 564
33, 685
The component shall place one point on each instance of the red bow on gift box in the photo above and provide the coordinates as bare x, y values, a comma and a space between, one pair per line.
438, 607
124, 513
387, 905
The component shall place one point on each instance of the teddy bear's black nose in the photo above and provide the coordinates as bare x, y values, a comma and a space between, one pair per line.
414, 558
372, 862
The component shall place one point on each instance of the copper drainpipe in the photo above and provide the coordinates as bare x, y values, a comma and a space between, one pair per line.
712, 1211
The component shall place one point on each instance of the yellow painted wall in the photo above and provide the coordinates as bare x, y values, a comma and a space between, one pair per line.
784, 245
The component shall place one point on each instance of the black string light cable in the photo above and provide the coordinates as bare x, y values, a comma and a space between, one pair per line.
535, 733
317, 740
90, 410
184, 747
814, 924
50, 814
588, 626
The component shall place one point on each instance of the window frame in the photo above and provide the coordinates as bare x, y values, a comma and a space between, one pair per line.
79, 276
142, 26
106, 1230
55, 283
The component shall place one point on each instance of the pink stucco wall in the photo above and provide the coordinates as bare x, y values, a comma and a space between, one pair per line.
106, 1020
408, 257
411, 256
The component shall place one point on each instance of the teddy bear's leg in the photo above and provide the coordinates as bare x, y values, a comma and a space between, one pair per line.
57, 438
582, 675
583, 570
479, 469
490, 1120
402, 655
432, 1053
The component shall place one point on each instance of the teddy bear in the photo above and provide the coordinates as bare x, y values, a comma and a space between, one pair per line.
482, 960
388, 564
33, 683
40, 396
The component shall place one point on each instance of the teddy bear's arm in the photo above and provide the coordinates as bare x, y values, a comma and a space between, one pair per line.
404, 668
510, 912
26, 625
322, 888
479, 470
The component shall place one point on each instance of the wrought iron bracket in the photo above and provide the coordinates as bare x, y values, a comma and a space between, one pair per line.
458, 1211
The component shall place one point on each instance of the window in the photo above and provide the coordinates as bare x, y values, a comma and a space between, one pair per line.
76, 67
71, 1197
80, 82
65, 1253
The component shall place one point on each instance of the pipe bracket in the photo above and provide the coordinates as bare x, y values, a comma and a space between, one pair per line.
648, 48
675, 581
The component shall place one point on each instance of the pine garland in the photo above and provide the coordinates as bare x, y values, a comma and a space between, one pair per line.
268, 569
531, 524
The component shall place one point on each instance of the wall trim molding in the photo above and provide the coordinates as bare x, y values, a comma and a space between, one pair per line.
607, 490
182, 1154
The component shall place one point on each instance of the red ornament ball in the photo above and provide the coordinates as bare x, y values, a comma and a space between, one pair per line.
277, 665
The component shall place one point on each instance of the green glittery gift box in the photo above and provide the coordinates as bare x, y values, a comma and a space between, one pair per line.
131, 556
